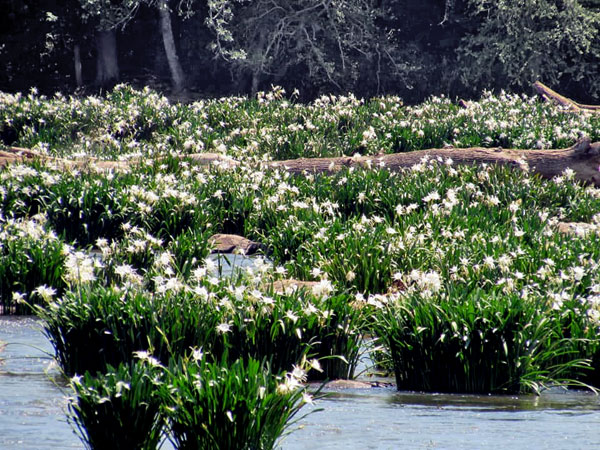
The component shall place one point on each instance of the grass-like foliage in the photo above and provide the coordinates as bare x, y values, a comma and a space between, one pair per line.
127, 124
463, 273
32, 261
284, 328
475, 342
91, 330
94, 328
119, 409
97, 327
221, 404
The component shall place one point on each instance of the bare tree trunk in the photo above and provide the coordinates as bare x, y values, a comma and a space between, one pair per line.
77, 64
166, 29
107, 65
255, 81
258, 64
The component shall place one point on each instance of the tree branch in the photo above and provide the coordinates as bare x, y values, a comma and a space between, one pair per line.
548, 94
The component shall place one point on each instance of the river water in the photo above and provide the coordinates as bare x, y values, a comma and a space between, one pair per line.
33, 402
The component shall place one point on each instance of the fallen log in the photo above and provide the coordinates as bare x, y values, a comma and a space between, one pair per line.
583, 158
290, 285
580, 229
13, 155
550, 95
18, 155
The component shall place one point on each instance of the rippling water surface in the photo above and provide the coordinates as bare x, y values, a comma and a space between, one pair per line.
33, 401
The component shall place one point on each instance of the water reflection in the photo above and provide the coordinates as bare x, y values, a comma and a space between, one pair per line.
230, 264
32, 392
556, 398
382, 418
32, 411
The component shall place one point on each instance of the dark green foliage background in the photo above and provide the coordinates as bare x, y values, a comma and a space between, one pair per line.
453, 47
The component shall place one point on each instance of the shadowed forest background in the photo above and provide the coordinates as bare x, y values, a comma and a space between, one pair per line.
410, 48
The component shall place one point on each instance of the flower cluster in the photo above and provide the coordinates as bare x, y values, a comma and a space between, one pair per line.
363, 242
129, 124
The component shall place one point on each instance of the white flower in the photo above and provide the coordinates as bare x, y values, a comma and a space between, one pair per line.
201, 292
199, 273
377, 300
210, 265
431, 281
569, 173
164, 259
307, 398
128, 273
578, 273
493, 200
488, 262
369, 134
197, 354
309, 309
514, 206
432, 196
504, 262
173, 284
261, 392
147, 357
17, 297
101, 243
316, 365
322, 288
120, 386
79, 268
223, 328
290, 315
45, 292
292, 381
298, 373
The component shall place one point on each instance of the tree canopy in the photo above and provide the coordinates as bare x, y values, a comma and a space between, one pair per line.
412, 48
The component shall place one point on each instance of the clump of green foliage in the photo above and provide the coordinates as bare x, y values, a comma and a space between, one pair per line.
219, 404
118, 409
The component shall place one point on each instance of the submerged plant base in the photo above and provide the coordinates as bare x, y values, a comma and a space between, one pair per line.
120, 409
476, 343
223, 405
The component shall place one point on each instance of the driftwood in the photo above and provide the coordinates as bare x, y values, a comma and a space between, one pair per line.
18, 154
290, 285
548, 94
580, 229
583, 158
